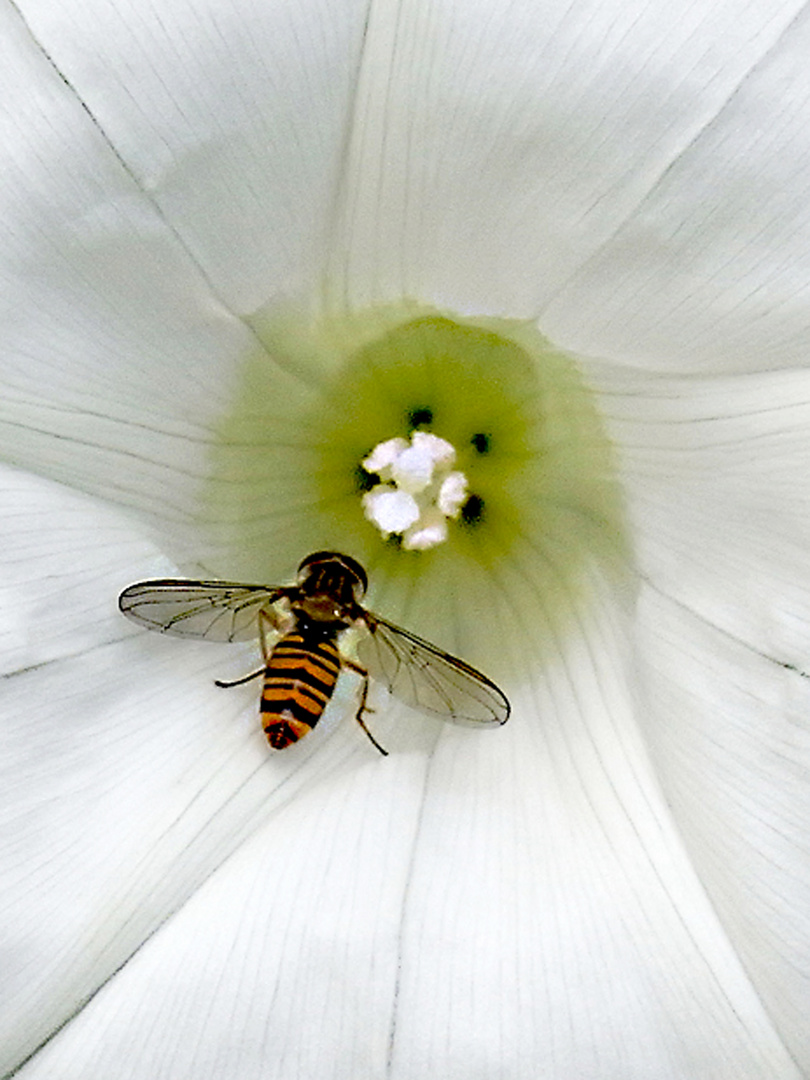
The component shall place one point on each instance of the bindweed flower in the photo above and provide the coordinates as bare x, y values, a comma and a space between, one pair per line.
256, 259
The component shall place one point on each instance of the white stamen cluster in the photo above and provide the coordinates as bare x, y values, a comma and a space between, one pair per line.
419, 490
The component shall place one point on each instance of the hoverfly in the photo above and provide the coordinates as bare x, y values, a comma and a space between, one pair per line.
301, 669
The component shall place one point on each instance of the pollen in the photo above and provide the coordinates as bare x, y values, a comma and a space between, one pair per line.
419, 490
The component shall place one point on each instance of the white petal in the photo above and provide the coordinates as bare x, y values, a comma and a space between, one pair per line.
730, 736
518, 906
496, 149
712, 271
64, 558
716, 473
127, 776
233, 118
119, 347
113, 345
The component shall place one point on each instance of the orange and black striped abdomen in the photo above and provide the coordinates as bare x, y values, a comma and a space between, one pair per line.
298, 682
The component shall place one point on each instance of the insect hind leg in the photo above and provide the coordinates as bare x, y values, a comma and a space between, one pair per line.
363, 707
267, 626
228, 683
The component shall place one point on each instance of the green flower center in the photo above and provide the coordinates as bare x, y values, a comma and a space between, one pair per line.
532, 489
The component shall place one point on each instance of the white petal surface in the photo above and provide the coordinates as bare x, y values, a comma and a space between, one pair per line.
592, 143
515, 904
117, 342
731, 740
715, 471
497, 149
232, 117
114, 351
126, 775
63, 560
712, 270
716, 474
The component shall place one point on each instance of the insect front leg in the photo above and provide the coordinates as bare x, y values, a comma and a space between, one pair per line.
363, 706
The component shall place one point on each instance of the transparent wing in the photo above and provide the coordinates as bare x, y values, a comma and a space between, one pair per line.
426, 677
215, 610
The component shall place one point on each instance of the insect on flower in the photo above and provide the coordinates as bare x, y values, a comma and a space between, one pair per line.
307, 619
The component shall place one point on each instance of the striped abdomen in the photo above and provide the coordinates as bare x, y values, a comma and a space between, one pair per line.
298, 682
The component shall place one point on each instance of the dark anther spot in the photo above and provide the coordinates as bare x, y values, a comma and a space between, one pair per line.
472, 512
364, 481
418, 417
394, 540
481, 442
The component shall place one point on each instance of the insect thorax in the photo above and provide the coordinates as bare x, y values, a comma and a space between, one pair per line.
315, 630
323, 610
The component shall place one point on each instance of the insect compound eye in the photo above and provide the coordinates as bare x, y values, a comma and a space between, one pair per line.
336, 565
308, 566
359, 574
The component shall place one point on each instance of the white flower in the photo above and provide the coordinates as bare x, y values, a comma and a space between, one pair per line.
612, 885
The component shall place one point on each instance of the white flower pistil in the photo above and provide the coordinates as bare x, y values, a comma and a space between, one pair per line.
419, 492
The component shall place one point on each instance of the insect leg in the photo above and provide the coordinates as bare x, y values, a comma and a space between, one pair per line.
363, 707
265, 620
268, 624
238, 682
